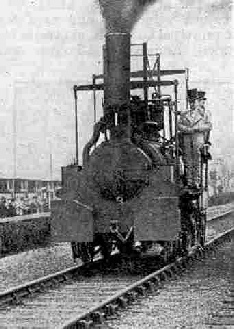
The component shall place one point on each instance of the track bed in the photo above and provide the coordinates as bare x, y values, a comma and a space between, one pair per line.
77, 295
33, 264
80, 293
57, 306
202, 298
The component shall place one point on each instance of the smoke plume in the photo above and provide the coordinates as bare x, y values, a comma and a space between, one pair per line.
121, 15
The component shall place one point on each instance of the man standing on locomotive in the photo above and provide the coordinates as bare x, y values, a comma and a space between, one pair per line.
194, 126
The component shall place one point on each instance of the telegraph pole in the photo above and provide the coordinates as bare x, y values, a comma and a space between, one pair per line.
51, 166
14, 141
51, 177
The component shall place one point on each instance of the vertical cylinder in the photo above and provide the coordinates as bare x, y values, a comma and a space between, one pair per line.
117, 69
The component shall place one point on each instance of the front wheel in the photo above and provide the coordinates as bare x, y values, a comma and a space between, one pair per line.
105, 246
202, 230
82, 250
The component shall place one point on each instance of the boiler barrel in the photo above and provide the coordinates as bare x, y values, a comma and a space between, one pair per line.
117, 69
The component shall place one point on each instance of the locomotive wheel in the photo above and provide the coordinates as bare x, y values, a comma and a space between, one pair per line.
164, 256
75, 250
187, 241
190, 234
105, 247
202, 230
168, 252
106, 251
176, 245
86, 251
126, 249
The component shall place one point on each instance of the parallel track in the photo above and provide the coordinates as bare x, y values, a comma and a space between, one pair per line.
86, 300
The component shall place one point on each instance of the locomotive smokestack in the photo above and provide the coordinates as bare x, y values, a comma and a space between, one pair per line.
117, 70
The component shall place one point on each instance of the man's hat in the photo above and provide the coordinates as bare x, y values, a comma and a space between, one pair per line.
201, 95
192, 94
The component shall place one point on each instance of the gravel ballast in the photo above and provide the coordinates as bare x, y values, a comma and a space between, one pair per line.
33, 264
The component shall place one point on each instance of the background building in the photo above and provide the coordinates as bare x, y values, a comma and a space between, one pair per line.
28, 188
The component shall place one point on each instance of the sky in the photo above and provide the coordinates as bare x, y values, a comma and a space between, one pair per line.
48, 46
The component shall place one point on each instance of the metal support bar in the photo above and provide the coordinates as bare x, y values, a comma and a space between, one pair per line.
94, 100
158, 74
176, 131
186, 84
139, 74
145, 74
134, 84
76, 124
170, 119
206, 176
201, 179
94, 104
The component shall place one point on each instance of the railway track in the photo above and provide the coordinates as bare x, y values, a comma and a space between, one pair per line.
87, 300
201, 297
31, 265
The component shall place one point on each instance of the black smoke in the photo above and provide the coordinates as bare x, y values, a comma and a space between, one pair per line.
121, 15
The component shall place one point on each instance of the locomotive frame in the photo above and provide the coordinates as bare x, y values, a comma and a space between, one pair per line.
140, 200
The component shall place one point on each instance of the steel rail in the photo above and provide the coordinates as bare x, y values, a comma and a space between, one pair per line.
14, 294
221, 215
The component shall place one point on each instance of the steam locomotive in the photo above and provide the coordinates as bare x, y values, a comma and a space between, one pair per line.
130, 192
